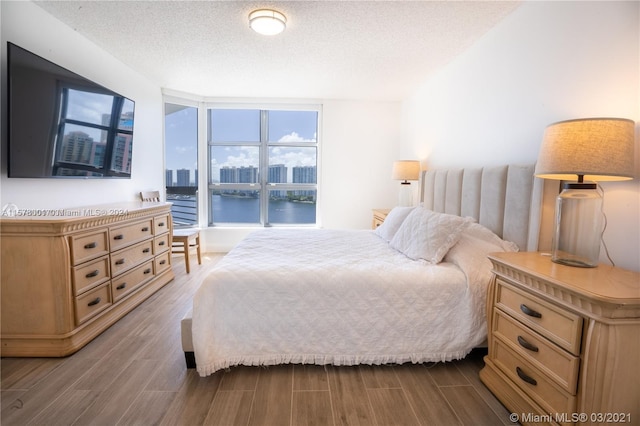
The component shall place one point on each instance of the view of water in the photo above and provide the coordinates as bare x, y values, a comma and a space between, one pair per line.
242, 210
247, 210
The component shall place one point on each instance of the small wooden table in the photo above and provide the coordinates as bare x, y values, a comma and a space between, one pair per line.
183, 241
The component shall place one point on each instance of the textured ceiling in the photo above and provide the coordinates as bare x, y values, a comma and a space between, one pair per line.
377, 50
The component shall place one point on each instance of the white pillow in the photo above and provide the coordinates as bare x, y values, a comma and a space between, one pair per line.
475, 243
428, 235
485, 234
392, 222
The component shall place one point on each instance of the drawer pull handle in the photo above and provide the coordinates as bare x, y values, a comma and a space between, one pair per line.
145, 229
527, 310
526, 377
121, 286
162, 262
526, 344
118, 237
94, 302
120, 262
90, 245
92, 274
161, 224
146, 250
147, 271
161, 243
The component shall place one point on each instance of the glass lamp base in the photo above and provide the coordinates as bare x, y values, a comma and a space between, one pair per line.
578, 226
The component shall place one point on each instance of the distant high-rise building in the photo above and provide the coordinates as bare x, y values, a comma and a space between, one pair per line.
228, 175
239, 175
168, 177
248, 174
305, 174
183, 177
278, 174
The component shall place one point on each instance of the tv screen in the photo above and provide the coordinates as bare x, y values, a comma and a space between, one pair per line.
62, 125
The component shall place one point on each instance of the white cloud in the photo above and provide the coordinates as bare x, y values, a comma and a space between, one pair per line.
294, 137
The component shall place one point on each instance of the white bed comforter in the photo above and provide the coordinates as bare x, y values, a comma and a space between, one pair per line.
337, 297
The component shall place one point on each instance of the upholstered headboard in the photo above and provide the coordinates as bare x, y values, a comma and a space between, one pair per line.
509, 200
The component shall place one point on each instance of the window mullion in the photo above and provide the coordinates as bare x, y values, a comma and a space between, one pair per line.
264, 167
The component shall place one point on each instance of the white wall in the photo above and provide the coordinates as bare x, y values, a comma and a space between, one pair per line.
546, 62
360, 144
28, 26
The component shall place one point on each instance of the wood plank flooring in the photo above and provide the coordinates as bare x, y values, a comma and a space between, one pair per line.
134, 374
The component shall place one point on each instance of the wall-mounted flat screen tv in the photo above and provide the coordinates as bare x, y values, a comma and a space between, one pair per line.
62, 125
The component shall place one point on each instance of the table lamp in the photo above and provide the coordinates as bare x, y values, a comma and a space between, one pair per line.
590, 149
406, 170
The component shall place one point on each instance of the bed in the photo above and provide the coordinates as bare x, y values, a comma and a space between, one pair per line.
413, 290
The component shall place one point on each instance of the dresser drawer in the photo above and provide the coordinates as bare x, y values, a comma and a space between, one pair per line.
125, 235
126, 259
129, 281
161, 224
161, 243
85, 247
162, 262
532, 380
560, 326
90, 275
560, 365
92, 303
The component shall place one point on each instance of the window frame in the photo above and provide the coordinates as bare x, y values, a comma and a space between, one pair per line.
263, 185
199, 209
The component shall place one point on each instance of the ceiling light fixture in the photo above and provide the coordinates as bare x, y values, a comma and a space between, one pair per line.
267, 21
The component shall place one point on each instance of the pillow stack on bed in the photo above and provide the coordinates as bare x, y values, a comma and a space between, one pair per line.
420, 233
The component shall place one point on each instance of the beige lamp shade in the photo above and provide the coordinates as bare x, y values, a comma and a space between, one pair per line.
596, 149
406, 170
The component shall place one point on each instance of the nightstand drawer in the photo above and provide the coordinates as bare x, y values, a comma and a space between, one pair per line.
560, 365
560, 326
379, 215
533, 381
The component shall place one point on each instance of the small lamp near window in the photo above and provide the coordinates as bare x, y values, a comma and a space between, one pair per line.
591, 149
406, 170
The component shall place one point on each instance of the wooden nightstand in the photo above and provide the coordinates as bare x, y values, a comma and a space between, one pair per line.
564, 342
379, 215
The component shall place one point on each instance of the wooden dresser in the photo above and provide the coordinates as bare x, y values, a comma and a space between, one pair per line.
67, 275
564, 342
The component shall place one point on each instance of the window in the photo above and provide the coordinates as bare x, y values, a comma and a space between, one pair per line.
181, 153
95, 133
262, 166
